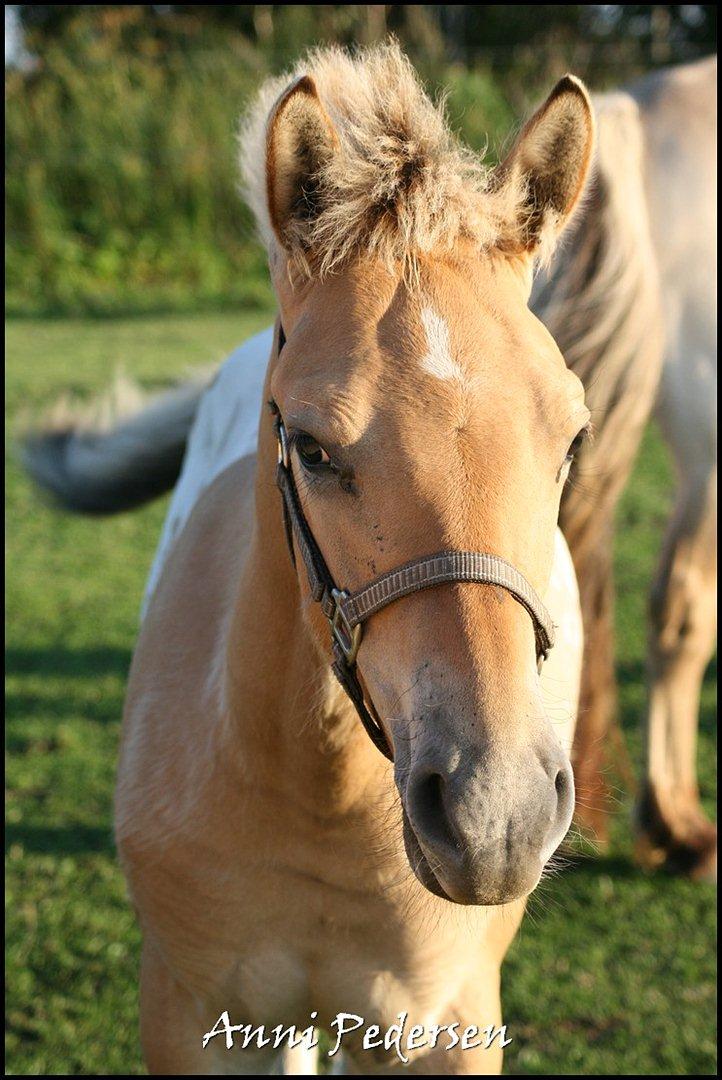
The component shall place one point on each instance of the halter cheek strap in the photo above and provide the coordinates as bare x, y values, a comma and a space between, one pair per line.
347, 612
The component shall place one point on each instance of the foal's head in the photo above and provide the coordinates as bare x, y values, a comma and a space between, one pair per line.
430, 410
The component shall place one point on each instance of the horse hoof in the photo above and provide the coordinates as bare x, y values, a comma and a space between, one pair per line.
706, 869
693, 856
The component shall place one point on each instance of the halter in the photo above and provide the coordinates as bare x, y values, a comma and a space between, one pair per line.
347, 612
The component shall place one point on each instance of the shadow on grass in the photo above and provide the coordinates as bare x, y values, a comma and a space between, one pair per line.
62, 661
106, 710
594, 866
61, 839
59, 662
583, 867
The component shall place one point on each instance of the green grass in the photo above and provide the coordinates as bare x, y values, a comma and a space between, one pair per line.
613, 971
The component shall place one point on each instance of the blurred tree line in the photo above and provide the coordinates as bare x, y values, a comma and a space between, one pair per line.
121, 180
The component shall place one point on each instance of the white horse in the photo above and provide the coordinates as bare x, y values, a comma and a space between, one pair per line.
632, 303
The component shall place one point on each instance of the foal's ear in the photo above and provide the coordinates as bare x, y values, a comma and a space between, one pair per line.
549, 162
300, 140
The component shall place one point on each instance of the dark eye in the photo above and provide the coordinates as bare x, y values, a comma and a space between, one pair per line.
577, 443
311, 454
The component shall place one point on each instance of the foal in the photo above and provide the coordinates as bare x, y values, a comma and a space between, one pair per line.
283, 870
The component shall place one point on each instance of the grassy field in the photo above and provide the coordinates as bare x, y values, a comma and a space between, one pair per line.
614, 970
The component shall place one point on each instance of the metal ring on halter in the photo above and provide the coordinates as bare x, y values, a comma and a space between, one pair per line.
348, 637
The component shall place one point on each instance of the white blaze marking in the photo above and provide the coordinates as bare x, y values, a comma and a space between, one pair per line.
438, 360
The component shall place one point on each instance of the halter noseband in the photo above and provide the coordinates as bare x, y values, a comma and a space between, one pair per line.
347, 612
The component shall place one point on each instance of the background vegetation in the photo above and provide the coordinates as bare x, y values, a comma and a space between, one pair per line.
121, 201
120, 153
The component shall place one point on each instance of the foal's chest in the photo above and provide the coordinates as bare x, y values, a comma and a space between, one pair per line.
305, 955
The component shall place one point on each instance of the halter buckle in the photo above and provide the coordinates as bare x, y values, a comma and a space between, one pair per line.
348, 637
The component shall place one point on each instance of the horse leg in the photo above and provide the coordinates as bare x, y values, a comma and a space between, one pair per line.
673, 827
477, 1002
299, 1061
170, 1025
173, 1022
587, 520
597, 693
444, 1054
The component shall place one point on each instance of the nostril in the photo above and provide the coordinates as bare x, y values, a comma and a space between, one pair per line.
428, 812
564, 787
429, 794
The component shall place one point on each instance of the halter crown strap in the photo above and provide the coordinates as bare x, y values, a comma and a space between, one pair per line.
347, 612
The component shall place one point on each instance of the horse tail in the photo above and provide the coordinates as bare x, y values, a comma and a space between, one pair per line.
601, 303
120, 451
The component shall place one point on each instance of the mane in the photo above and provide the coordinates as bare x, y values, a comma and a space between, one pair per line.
401, 184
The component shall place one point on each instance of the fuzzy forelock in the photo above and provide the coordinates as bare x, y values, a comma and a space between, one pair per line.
400, 185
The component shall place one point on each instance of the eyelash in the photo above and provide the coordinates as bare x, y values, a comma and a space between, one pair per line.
317, 479
294, 443
578, 442
326, 473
